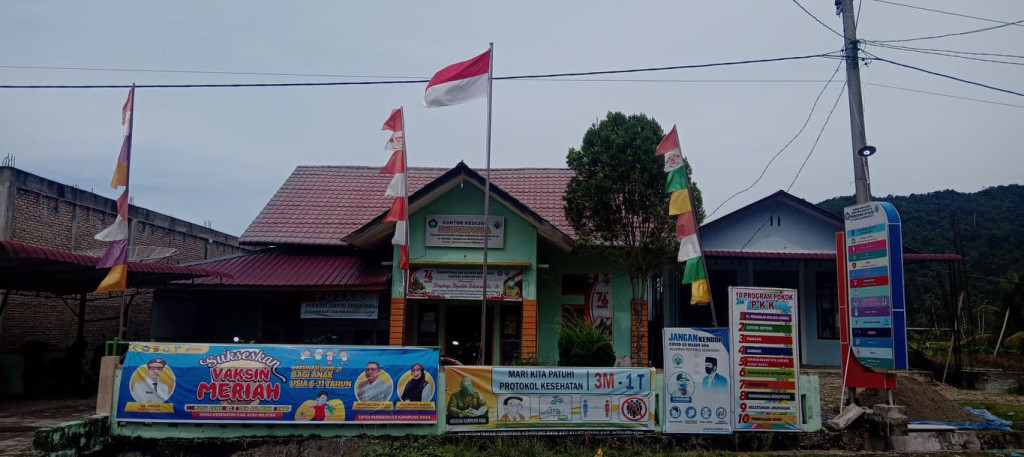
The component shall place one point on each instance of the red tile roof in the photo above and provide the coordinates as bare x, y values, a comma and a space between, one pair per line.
276, 267
320, 205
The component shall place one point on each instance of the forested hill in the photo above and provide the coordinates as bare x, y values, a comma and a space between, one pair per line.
991, 226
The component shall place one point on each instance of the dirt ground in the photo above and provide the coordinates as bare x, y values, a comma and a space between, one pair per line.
19, 419
925, 400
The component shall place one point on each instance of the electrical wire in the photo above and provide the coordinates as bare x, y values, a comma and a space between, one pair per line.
949, 51
947, 12
951, 34
206, 72
906, 49
830, 29
944, 95
786, 146
815, 145
944, 75
820, 132
421, 81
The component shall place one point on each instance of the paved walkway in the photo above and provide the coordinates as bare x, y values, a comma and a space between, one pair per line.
20, 418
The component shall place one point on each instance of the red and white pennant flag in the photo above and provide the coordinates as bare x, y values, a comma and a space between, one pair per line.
397, 166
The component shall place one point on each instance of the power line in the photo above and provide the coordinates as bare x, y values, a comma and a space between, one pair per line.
617, 80
421, 81
921, 51
947, 12
205, 72
944, 75
951, 34
815, 145
943, 95
950, 51
830, 29
791, 140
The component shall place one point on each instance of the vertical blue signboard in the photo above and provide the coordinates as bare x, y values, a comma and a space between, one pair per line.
874, 260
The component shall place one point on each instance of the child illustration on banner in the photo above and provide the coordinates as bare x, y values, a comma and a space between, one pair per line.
513, 406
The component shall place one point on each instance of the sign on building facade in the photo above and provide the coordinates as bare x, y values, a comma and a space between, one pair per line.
177, 382
534, 399
766, 359
698, 381
465, 283
465, 231
874, 265
341, 305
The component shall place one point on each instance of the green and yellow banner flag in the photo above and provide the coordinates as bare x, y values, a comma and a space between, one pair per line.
681, 206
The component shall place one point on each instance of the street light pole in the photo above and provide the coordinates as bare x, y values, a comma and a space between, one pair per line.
860, 162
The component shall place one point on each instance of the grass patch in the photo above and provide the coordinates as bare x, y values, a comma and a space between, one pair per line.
1012, 413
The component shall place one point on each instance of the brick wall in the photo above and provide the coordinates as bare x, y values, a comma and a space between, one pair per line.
54, 215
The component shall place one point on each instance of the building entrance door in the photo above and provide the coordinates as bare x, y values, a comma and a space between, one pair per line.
462, 333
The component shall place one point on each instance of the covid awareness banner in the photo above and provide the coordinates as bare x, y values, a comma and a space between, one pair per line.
171, 382
698, 387
510, 399
766, 359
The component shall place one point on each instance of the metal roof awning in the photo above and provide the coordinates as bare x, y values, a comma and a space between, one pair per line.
31, 268
295, 268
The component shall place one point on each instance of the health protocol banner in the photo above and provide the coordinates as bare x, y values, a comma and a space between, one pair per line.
766, 358
172, 382
698, 383
510, 399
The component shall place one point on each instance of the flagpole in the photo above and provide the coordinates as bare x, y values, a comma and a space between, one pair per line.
487, 199
405, 187
704, 260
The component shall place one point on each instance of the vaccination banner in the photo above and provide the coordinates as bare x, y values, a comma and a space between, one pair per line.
698, 383
178, 382
534, 399
766, 359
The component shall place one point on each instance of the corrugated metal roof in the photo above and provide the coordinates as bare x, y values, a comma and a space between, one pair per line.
320, 205
35, 268
279, 267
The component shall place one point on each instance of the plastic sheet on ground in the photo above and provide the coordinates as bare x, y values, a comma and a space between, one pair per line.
991, 421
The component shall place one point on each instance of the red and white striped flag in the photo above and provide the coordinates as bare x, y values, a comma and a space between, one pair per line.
459, 82
116, 256
397, 166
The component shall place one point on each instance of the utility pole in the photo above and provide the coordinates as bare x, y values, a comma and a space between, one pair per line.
860, 162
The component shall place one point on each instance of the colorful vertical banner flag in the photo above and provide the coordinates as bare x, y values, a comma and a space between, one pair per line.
681, 206
116, 256
459, 82
397, 166
766, 359
698, 381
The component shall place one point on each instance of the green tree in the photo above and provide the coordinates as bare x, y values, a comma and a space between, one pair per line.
616, 201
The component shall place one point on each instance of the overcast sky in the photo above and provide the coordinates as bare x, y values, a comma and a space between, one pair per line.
220, 154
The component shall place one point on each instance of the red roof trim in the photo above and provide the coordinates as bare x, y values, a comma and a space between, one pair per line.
18, 250
817, 255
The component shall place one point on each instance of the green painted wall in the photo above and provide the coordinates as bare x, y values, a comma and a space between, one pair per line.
550, 301
520, 237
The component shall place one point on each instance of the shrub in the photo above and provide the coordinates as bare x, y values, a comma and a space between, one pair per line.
580, 344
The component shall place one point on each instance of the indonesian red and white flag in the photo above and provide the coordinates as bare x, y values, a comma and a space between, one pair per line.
459, 82
669, 147
394, 124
